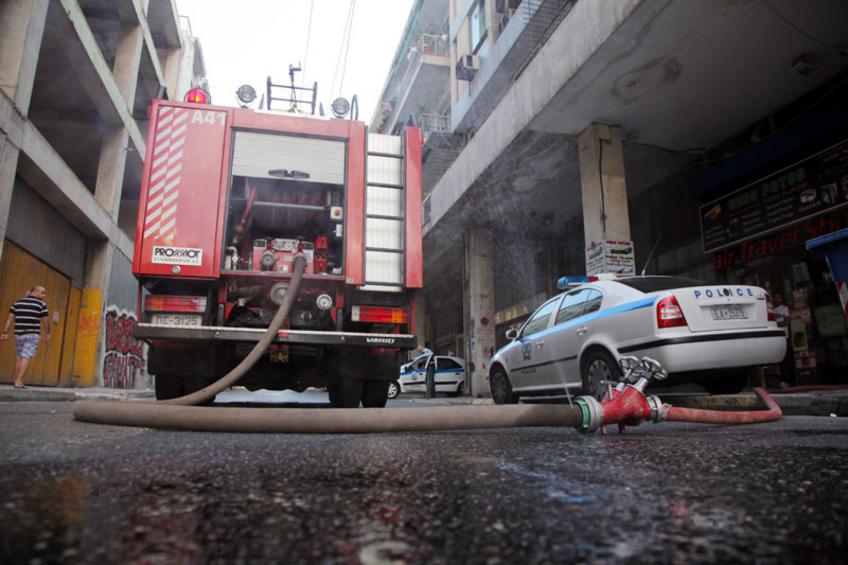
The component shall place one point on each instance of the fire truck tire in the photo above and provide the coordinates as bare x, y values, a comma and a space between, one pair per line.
192, 384
345, 393
375, 394
168, 386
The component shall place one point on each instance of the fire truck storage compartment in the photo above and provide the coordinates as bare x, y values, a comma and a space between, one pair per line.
287, 194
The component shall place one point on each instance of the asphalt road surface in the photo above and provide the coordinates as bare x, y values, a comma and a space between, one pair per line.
79, 492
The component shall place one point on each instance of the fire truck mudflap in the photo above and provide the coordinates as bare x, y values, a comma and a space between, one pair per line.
229, 196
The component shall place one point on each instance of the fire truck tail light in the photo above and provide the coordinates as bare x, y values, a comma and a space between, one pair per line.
198, 96
379, 314
669, 314
189, 304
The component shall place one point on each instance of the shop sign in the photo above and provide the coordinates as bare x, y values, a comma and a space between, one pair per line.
780, 241
810, 187
610, 256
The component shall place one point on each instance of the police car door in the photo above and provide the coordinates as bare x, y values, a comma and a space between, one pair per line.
414, 379
572, 326
530, 358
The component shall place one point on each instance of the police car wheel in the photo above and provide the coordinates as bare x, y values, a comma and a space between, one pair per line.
501, 387
597, 370
394, 389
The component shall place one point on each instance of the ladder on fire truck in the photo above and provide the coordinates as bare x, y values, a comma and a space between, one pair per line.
385, 201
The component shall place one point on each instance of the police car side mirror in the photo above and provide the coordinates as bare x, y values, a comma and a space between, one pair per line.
511, 333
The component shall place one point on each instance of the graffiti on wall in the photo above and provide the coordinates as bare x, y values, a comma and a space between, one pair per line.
124, 362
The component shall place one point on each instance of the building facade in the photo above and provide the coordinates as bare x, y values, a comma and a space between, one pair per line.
76, 79
578, 122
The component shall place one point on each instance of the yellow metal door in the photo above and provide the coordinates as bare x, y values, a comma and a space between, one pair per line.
20, 271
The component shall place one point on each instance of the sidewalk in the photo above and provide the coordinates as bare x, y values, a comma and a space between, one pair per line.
806, 403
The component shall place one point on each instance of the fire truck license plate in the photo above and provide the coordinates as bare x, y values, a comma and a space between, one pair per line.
279, 353
176, 319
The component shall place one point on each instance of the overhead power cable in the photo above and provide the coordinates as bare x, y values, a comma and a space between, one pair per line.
308, 35
345, 42
347, 45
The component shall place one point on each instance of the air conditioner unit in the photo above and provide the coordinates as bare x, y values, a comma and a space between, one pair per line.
467, 67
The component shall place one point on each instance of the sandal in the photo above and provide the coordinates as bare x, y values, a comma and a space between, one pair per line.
20, 387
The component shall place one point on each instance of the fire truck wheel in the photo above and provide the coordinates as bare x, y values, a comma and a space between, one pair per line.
345, 393
375, 394
168, 386
192, 384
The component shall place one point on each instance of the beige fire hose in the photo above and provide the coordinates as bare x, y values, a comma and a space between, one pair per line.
207, 393
331, 420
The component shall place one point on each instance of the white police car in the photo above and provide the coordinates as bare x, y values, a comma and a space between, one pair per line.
449, 375
708, 334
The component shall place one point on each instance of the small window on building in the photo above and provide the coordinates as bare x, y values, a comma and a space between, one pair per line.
477, 23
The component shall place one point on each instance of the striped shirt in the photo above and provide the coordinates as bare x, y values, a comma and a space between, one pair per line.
28, 313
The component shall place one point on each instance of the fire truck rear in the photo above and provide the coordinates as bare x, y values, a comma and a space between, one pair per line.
229, 196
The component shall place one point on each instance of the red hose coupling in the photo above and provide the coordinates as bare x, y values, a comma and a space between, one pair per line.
629, 407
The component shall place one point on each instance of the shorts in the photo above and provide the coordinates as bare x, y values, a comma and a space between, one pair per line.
26, 345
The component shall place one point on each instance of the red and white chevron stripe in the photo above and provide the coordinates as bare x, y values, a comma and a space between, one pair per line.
165, 177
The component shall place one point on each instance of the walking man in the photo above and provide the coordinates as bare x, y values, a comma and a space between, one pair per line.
29, 315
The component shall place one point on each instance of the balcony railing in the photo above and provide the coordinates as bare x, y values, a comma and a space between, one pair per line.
433, 123
428, 44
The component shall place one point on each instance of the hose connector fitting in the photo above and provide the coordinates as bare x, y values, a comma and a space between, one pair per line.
658, 409
592, 414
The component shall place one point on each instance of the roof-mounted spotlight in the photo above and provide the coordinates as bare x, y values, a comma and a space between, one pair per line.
340, 107
246, 94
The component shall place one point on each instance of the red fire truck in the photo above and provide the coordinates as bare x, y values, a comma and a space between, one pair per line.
228, 197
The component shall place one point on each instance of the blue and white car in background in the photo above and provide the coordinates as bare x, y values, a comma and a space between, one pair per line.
449, 375
708, 334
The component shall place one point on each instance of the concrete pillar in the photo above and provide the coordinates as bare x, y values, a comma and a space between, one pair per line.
605, 212
171, 63
98, 265
21, 31
420, 317
107, 192
479, 297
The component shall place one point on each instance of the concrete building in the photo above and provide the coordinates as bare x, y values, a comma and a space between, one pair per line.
581, 122
76, 79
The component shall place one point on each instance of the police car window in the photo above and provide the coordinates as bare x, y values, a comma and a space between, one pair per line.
448, 364
540, 319
656, 284
593, 301
572, 305
419, 363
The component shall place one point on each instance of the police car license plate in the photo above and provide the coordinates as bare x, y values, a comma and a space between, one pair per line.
176, 319
729, 313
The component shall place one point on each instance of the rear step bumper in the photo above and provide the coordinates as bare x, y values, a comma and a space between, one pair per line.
220, 333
